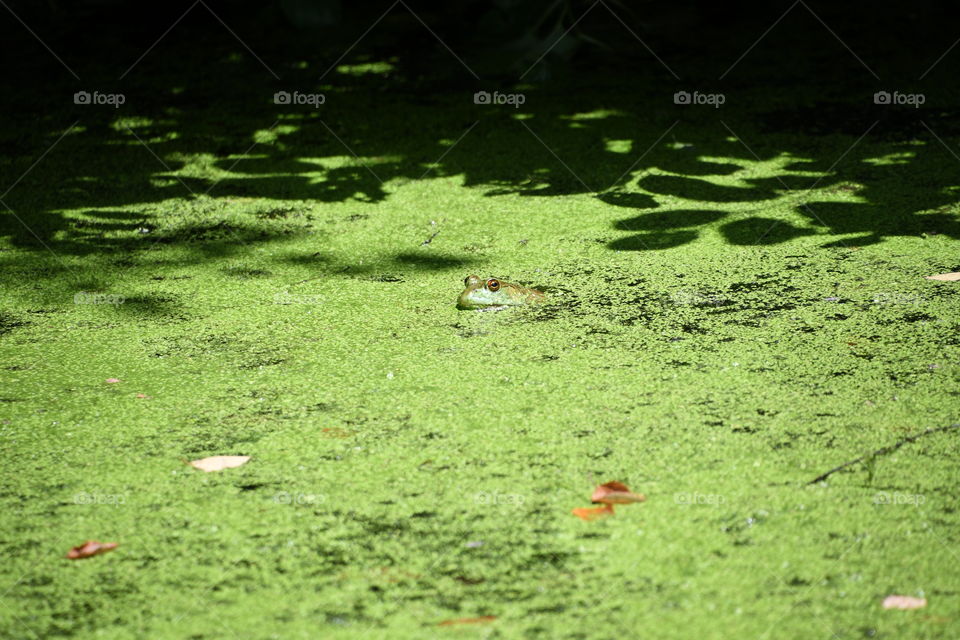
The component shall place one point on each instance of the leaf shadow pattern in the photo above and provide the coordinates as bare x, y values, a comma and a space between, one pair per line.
205, 136
848, 203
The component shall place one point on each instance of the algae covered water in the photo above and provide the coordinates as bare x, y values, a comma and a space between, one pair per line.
734, 303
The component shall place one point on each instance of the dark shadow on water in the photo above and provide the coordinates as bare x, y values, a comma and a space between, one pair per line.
389, 268
696, 189
759, 230
654, 241
631, 200
212, 127
431, 261
673, 219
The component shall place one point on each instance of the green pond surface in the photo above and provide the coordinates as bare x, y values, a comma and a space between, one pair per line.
736, 305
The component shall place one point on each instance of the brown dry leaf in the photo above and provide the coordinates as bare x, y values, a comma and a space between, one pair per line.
143, 395
615, 493
218, 463
90, 548
904, 602
592, 513
945, 277
479, 620
336, 432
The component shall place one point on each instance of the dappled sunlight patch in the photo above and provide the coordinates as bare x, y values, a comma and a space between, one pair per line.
162, 182
618, 146
597, 114
895, 158
269, 136
131, 122
379, 67
149, 134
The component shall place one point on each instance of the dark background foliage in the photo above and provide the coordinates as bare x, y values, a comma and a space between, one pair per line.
204, 72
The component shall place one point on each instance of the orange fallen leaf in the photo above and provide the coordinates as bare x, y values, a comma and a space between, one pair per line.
479, 620
945, 277
218, 463
904, 602
592, 513
142, 395
90, 548
615, 493
112, 380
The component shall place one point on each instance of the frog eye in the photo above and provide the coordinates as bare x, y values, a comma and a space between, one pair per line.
493, 284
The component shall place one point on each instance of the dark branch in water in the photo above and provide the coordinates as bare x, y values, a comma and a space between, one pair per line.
884, 450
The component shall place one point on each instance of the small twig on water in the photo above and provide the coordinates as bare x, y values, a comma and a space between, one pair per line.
884, 450
433, 223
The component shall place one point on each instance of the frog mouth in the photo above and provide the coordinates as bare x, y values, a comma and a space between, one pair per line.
478, 302
468, 305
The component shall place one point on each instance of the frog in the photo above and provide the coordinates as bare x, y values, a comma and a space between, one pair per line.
494, 294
